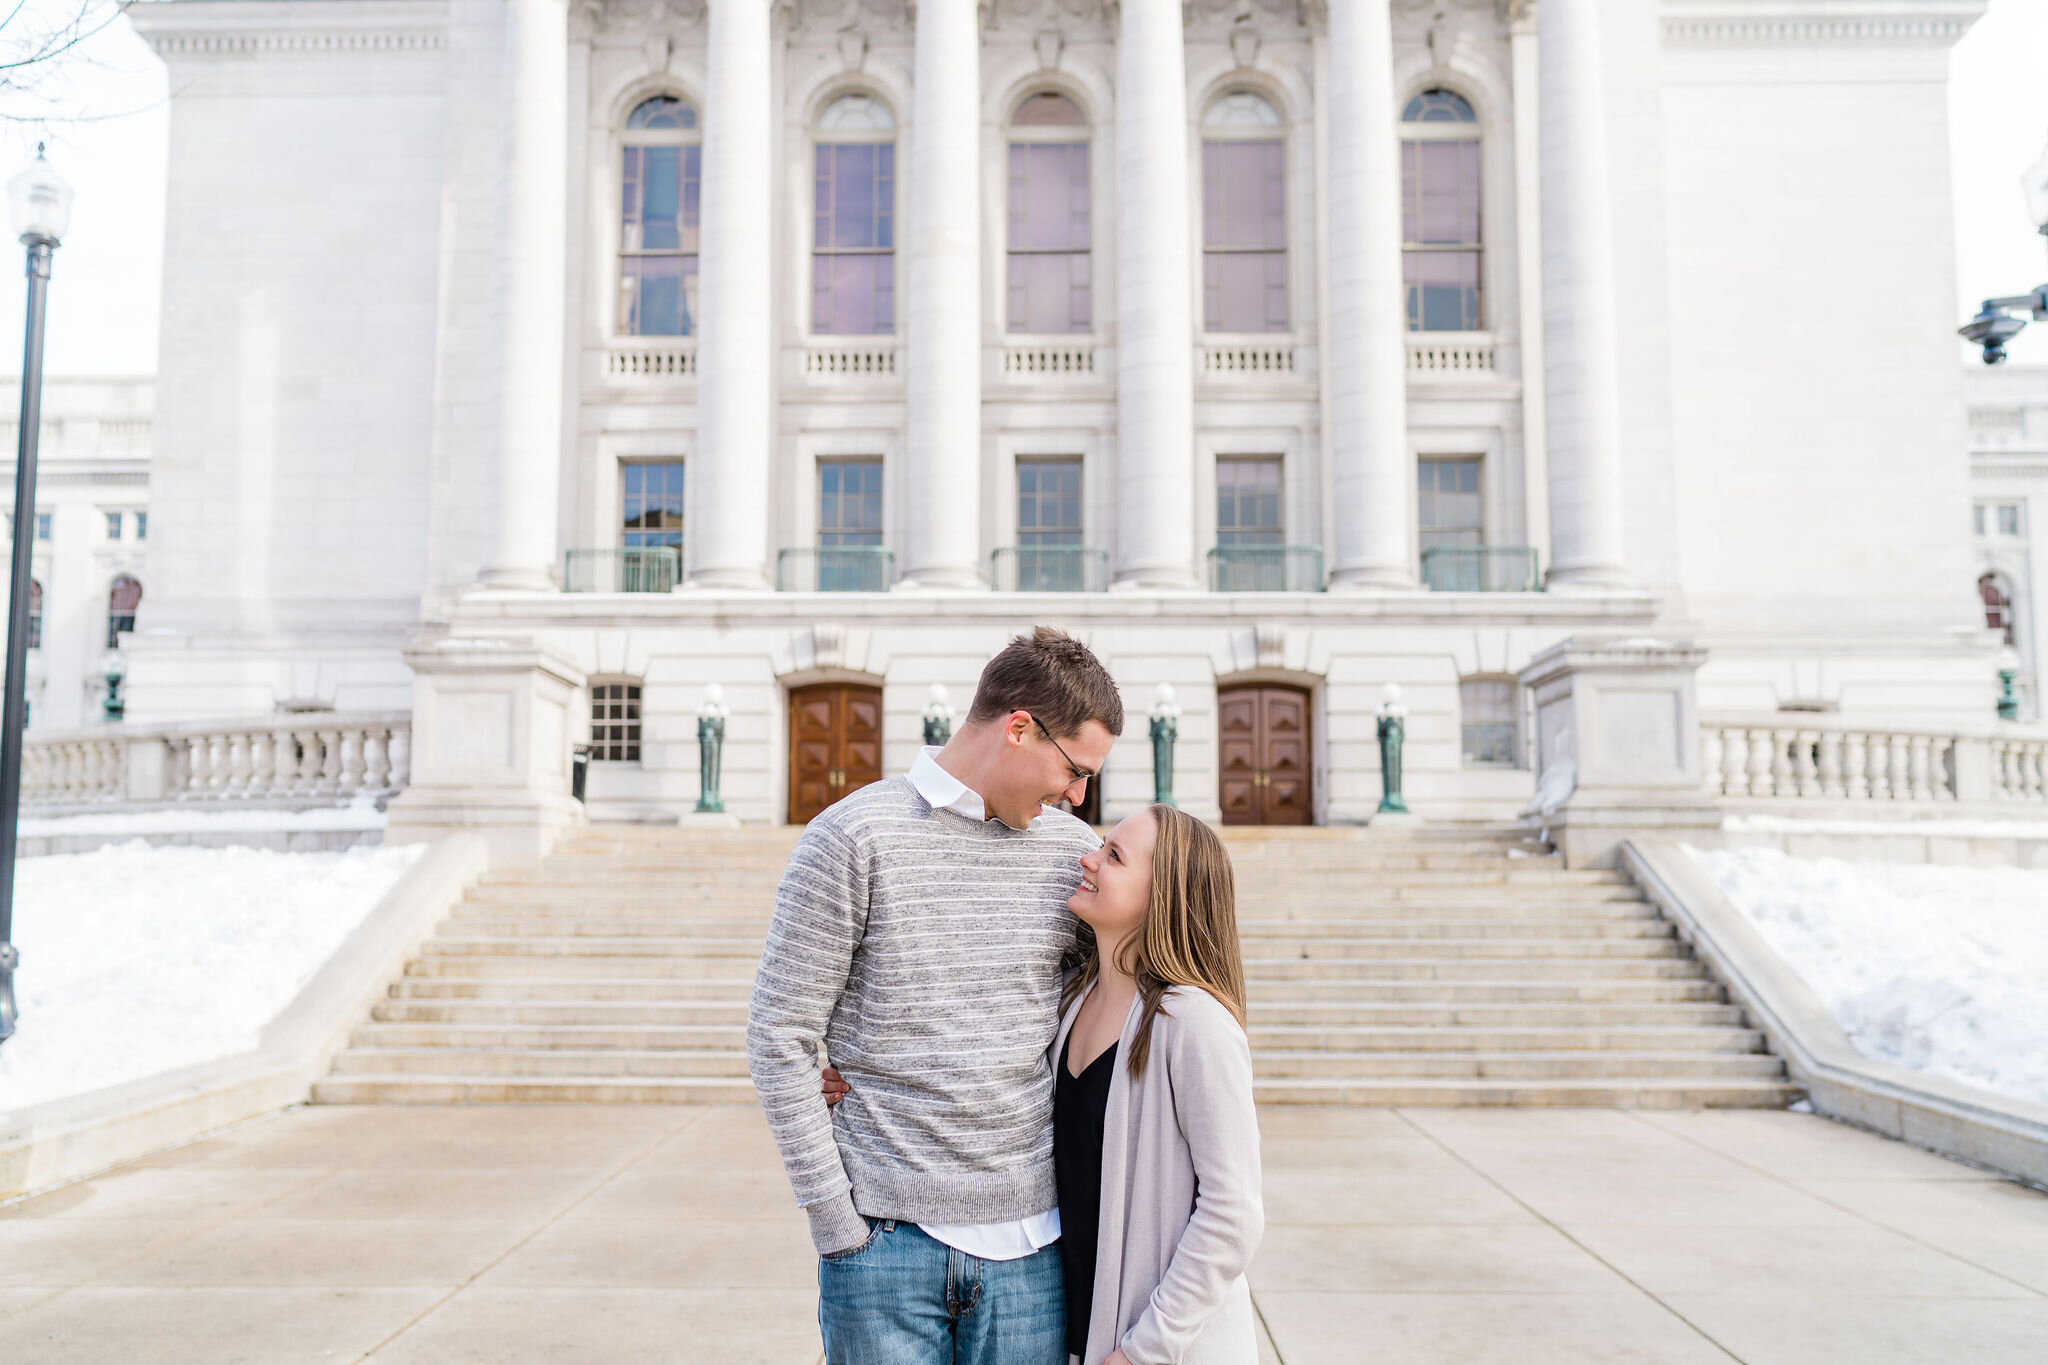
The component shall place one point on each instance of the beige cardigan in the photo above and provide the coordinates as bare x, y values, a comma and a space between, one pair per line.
1181, 1211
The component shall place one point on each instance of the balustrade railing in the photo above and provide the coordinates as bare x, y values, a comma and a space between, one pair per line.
1265, 568
1480, 568
313, 758
835, 568
640, 568
1049, 568
1816, 757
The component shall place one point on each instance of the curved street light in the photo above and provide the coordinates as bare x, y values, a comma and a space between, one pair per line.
40, 205
1995, 324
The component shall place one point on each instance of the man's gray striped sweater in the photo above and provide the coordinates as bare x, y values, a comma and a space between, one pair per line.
924, 948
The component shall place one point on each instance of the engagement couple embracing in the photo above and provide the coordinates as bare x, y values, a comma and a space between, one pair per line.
1035, 1137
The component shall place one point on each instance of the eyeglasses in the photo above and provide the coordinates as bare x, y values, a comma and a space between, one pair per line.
1080, 775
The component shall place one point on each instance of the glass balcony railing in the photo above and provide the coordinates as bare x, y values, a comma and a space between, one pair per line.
1480, 568
644, 568
1049, 568
1265, 568
835, 568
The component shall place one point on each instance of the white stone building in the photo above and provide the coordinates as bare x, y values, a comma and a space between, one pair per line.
89, 567
1281, 348
2008, 410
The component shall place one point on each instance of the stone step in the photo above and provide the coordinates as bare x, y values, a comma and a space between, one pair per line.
1292, 873
556, 988
1435, 968
1355, 948
443, 1089
1667, 1038
1616, 1093
1266, 993
601, 867
732, 1012
1257, 935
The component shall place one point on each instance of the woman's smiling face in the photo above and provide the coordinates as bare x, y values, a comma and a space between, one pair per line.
1116, 879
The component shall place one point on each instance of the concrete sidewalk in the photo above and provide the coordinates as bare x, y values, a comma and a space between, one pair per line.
618, 1234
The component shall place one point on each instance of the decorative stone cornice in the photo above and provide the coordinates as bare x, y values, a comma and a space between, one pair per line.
1936, 23
208, 28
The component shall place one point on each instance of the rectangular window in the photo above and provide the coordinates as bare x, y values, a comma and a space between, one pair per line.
615, 722
2009, 519
1440, 235
113, 526
1486, 708
1977, 515
1049, 502
849, 502
853, 240
142, 526
1048, 265
652, 498
42, 526
1244, 237
658, 240
1248, 502
1448, 503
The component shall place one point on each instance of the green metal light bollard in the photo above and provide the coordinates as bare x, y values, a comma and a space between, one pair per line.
710, 750
1393, 727
1165, 731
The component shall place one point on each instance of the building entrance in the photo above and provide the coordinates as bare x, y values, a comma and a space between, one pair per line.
835, 745
1266, 763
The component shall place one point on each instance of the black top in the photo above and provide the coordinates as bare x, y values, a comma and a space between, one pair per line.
1077, 1105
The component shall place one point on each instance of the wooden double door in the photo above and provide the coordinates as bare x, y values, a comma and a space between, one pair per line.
835, 745
1266, 755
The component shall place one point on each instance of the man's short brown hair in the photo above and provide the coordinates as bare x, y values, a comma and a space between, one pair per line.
1053, 676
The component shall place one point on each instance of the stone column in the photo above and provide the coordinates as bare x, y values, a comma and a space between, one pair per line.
943, 427
532, 281
1525, 57
1154, 303
726, 513
1581, 360
1371, 471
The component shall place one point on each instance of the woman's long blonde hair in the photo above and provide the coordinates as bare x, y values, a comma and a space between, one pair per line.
1189, 934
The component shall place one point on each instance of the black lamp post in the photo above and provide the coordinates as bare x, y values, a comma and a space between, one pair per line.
2000, 319
40, 202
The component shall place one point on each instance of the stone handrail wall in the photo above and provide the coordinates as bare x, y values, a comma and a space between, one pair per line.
1830, 758
310, 759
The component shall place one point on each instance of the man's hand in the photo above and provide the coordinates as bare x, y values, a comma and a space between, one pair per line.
835, 1087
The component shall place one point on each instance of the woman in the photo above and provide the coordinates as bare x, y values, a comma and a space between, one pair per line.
1155, 1137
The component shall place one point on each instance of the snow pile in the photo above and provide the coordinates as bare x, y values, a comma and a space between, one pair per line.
138, 960
359, 815
1941, 969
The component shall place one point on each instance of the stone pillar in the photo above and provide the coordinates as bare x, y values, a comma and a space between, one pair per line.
1617, 745
1526, 60
726, 514
1371, 470
943, 427
492, 722
532, 277
1154, 303
1581, 361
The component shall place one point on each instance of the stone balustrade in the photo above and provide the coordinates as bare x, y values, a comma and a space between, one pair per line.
1828, 758
288, 762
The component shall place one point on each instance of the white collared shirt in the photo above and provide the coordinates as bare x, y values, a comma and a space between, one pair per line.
990, 1241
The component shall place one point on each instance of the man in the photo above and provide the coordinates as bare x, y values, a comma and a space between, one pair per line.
918, 933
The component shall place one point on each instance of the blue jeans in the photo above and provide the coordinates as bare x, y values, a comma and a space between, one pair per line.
903, 1297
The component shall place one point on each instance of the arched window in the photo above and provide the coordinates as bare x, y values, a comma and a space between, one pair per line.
1244, 215
853, 213
1440, 251
1488, 715
658, 207
1997, 605
1050, 289
122, 600
35, 614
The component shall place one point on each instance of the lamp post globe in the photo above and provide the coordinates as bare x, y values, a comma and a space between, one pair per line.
2034, 184
39, 203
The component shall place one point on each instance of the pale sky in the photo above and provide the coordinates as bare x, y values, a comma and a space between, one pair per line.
104, 292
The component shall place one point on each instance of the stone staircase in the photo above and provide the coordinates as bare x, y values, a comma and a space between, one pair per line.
1450, 965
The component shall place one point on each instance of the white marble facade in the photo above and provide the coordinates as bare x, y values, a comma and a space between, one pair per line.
400, 384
